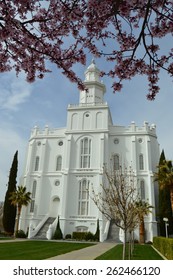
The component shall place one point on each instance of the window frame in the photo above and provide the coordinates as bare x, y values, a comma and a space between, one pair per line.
83, 198
116, 162
142, 190
85, 153
33, 195
37, 163
59, 163
141, 162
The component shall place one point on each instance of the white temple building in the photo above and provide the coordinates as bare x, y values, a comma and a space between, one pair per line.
63, 164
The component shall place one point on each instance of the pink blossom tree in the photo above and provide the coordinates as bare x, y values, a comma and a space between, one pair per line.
125, 33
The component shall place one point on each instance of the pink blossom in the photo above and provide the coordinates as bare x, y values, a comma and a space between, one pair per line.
64, 32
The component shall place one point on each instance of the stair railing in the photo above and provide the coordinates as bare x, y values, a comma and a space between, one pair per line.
33, 231
104, 232
51, 230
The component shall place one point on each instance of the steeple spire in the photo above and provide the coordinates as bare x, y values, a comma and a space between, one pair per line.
92, 73
96, 88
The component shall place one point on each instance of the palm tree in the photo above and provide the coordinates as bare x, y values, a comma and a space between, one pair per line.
164, 177
19, 198
142, 209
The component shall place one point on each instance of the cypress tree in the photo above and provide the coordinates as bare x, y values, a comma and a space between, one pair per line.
165, 209
9, 213
162, 158
97, 233
58, 233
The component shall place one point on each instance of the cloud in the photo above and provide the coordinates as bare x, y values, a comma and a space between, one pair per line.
13, 91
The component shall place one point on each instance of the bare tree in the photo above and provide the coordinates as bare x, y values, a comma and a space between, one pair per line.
116, 199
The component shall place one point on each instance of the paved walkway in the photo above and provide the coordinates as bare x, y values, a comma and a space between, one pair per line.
88, 253
12, 240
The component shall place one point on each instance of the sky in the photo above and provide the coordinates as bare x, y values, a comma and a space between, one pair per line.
44, 102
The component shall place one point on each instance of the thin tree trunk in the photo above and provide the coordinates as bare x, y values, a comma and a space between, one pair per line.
130, 245
141, 230
124, 244
18, 218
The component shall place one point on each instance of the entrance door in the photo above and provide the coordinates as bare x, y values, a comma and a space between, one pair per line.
54, 207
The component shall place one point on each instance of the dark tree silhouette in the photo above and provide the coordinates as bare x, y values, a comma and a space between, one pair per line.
9, 212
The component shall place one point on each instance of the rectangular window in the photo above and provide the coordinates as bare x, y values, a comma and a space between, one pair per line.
33, 196
59, 163
83, 203
116, 162
34, 189
85, 153
32, 206
141, 162
37, 163
142, 190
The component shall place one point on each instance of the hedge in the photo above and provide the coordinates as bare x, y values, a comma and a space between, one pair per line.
164, 246
79, 235
20, 234
83, 236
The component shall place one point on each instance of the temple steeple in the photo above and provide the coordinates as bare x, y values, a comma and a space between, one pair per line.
95, 87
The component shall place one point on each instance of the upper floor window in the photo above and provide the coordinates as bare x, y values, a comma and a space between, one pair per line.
37, 160
116, 162
85, 153
83, 197
34, 189
142, 190
141, 162
32, 204
59, 163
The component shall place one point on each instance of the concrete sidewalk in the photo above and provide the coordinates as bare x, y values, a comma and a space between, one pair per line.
88, 253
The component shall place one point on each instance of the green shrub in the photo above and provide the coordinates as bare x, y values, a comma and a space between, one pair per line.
58, 233
78, 235
83, 236
20, 234
136, 241
164, 246
149, 242
68, 236
97, 234
89, 236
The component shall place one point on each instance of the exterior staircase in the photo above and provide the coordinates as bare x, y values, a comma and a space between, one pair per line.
41, 234
113, 234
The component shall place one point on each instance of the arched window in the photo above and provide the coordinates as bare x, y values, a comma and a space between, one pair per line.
83, 197
33, 196
81, 229
116, 162
85, 153
59, 163
141, 162
142, 190
37, 160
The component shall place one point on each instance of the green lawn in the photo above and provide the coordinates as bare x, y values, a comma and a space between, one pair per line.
37, 250
5, 238
141, 252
